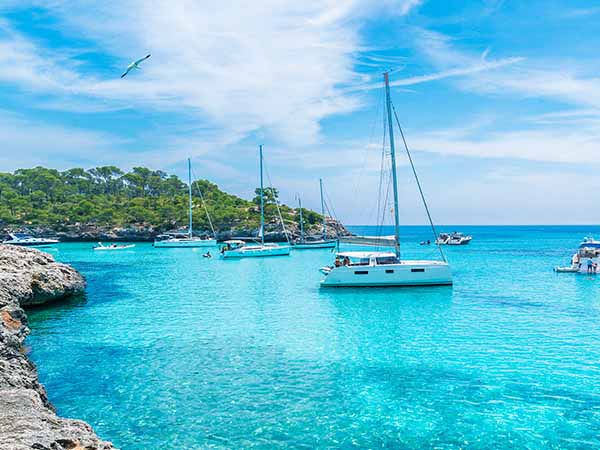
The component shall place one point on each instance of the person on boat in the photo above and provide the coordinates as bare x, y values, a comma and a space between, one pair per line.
338, 262
590, 266
346, 261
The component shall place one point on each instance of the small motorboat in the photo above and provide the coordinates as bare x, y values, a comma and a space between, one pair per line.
102, 247
454, 238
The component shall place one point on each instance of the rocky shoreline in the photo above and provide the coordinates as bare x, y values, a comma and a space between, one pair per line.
147, 233
27, 418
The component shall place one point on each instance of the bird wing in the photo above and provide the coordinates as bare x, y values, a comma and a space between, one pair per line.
122, 76
142, 59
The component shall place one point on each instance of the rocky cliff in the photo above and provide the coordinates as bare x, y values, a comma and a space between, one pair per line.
27, 419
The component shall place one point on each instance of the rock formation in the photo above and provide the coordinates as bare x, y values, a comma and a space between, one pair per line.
27, 419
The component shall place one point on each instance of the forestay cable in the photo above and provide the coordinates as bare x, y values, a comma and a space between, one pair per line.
285, 233
204, 205
418, 184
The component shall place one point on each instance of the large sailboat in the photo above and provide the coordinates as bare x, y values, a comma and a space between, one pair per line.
237, 248
376, 268
311, 242
173, 240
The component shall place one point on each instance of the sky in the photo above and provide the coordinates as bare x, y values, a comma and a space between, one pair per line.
499, 100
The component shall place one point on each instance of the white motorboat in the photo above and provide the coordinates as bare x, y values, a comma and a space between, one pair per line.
239, 249
236, 248
26, 240
314, 242
180, 240
454, 238
372, 269
111, 247
586, 260
459, 239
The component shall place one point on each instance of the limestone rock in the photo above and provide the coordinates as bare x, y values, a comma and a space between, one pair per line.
27, 419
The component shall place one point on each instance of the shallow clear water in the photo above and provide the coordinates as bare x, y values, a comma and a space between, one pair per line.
171, 350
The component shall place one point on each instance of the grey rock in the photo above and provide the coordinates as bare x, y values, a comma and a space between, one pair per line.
27, 418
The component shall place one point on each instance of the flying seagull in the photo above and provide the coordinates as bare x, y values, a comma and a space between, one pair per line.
135, 65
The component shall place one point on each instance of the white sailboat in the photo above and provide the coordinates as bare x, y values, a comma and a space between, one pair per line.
375, 268
183, 240
237, 248
323, 242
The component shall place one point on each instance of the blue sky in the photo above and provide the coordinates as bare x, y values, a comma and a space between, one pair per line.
500, 100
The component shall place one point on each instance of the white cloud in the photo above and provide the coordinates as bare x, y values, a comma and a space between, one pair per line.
557, 80
274, 66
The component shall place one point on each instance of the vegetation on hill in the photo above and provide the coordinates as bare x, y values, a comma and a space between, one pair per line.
107, 196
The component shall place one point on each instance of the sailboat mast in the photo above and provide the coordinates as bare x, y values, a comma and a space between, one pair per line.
262, 202
388, 102
301, 220
323, 209
190, 194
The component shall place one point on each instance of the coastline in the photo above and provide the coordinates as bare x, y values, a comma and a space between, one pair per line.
147, 233
29, 277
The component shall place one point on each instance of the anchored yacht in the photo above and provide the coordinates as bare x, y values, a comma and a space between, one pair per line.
27, 240
236, 248
178, 240
370, 269
454, 238
586, 260
384, 269
239, 249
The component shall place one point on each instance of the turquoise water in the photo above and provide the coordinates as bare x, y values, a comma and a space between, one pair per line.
171, 350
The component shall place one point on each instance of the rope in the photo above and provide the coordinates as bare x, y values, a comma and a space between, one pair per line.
204, 206
285, 233
381, 213
418, 184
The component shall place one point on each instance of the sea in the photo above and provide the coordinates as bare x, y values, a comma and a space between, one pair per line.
170, 350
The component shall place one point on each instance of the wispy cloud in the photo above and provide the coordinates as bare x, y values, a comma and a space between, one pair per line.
276, 67
39, 143
556, 80
582, 12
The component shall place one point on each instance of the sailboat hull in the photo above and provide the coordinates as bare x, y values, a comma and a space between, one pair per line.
332, 243
185, 243
256, 251
407, 273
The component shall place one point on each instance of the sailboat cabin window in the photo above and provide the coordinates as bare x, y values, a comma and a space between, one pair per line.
387, 260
